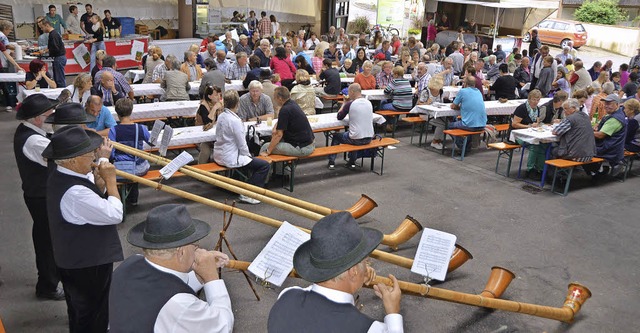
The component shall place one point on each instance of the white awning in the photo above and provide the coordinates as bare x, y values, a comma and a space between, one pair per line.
515, 4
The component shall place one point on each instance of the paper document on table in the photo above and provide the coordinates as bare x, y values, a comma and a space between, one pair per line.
155, 132
434, 253
167, 134
183, 159
275, 261
526, 86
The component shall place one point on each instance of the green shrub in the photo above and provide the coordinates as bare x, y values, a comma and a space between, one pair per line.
601, 12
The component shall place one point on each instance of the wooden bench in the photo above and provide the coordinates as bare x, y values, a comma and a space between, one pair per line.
392, 114
334, 100
377, 147
502, 130
328, 132
565, 167
628, 163
413, 121
454, 133
505, 151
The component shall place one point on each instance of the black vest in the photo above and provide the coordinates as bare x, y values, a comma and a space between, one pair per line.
33, 175
138, 293
307, 311
78, 246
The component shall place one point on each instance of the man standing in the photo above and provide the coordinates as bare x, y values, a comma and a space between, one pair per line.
534, 43
56, 50
157, 292
458, 61
73, 22
577, 142
55, 19
538, 64
335, 260
111, 23
610, 134
28, 143
360, 112
85, 19
264, 26
635, 60
292, 136
83, 223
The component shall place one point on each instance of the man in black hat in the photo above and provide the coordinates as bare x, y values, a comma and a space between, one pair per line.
83, 218
28, 143
157, 292
69, 114
334, 259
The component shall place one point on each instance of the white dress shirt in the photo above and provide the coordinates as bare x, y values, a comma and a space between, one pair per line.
392, 322
80, 205
35, 145
230, 148
187, 313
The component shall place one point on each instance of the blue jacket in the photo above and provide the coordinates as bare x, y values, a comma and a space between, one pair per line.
612, 148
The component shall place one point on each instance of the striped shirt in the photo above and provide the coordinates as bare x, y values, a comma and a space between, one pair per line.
383, 79
399, 90
236, 72
118, 78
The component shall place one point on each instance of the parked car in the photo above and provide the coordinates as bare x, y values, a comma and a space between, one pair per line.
559, 32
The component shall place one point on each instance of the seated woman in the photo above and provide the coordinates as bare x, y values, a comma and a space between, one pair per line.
230, 149
81, 88
303, 93
366, 79
100, 54
433, 94
406, 62
175, 83
399, 96
153, 59
632, 111
281, 65
528, 115
207, 115
301, 63
37, 76
347, 68
126, 133
360, 59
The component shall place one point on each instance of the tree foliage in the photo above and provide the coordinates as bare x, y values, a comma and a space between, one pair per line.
601, 12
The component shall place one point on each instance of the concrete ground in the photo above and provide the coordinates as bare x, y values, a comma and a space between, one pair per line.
548, 241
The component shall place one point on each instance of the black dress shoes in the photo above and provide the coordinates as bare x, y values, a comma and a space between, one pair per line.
57, 295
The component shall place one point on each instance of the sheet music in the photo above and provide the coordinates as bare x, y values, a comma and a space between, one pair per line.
167, 134
183, 159
275, 261
434, 253
155, 132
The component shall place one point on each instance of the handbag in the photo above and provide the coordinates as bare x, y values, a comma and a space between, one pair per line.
128, 166
253, 141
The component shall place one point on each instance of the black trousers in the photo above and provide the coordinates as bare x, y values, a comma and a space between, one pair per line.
48, 277
87, 295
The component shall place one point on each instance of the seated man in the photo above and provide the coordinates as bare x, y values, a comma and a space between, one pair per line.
471, 105
553, 108
575, 133
332, 78
611, 133
360, 112
213, 77
338, 270
109, 65
222, 62
157, 292
239, 69
254, 73
255, 105
505, 84
263, 52
108, 90
104, 120
292, 136
522, 74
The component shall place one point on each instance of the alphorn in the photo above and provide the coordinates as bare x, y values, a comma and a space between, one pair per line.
303, 208
576, 296
404, 232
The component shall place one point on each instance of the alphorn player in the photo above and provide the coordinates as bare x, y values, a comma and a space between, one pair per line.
335, 260
157, 292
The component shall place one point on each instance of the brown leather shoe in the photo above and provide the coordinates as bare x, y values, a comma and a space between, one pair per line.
57, 295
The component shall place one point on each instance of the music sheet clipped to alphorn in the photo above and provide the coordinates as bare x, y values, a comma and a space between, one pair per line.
275, 261
181, 160
434, 253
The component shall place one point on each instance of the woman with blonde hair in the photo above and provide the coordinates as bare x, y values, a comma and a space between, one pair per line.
366, 79
97, 39
196, 49
100, 54
81, 88
303, 93
316, 60
154, 58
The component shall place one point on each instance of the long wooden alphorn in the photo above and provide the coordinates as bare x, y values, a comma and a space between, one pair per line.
404, 232
576, 296
300, 207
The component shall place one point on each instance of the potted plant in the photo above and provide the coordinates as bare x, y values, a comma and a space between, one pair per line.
359, 25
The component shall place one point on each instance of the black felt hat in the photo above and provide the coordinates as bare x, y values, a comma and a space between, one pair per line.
337, 243
69, 114
35, 105
71, 141
167, 226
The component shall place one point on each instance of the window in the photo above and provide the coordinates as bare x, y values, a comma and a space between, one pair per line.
579, 28
561, 26
545, 24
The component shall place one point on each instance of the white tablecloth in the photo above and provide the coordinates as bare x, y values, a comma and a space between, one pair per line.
12, 77
534, 135
161, 110
493, 108
450, 92
49, 92
376, 94
195, 134
144, 89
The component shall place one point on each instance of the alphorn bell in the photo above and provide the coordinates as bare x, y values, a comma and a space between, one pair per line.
576, 296
499, 280
407, 229
303, 208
